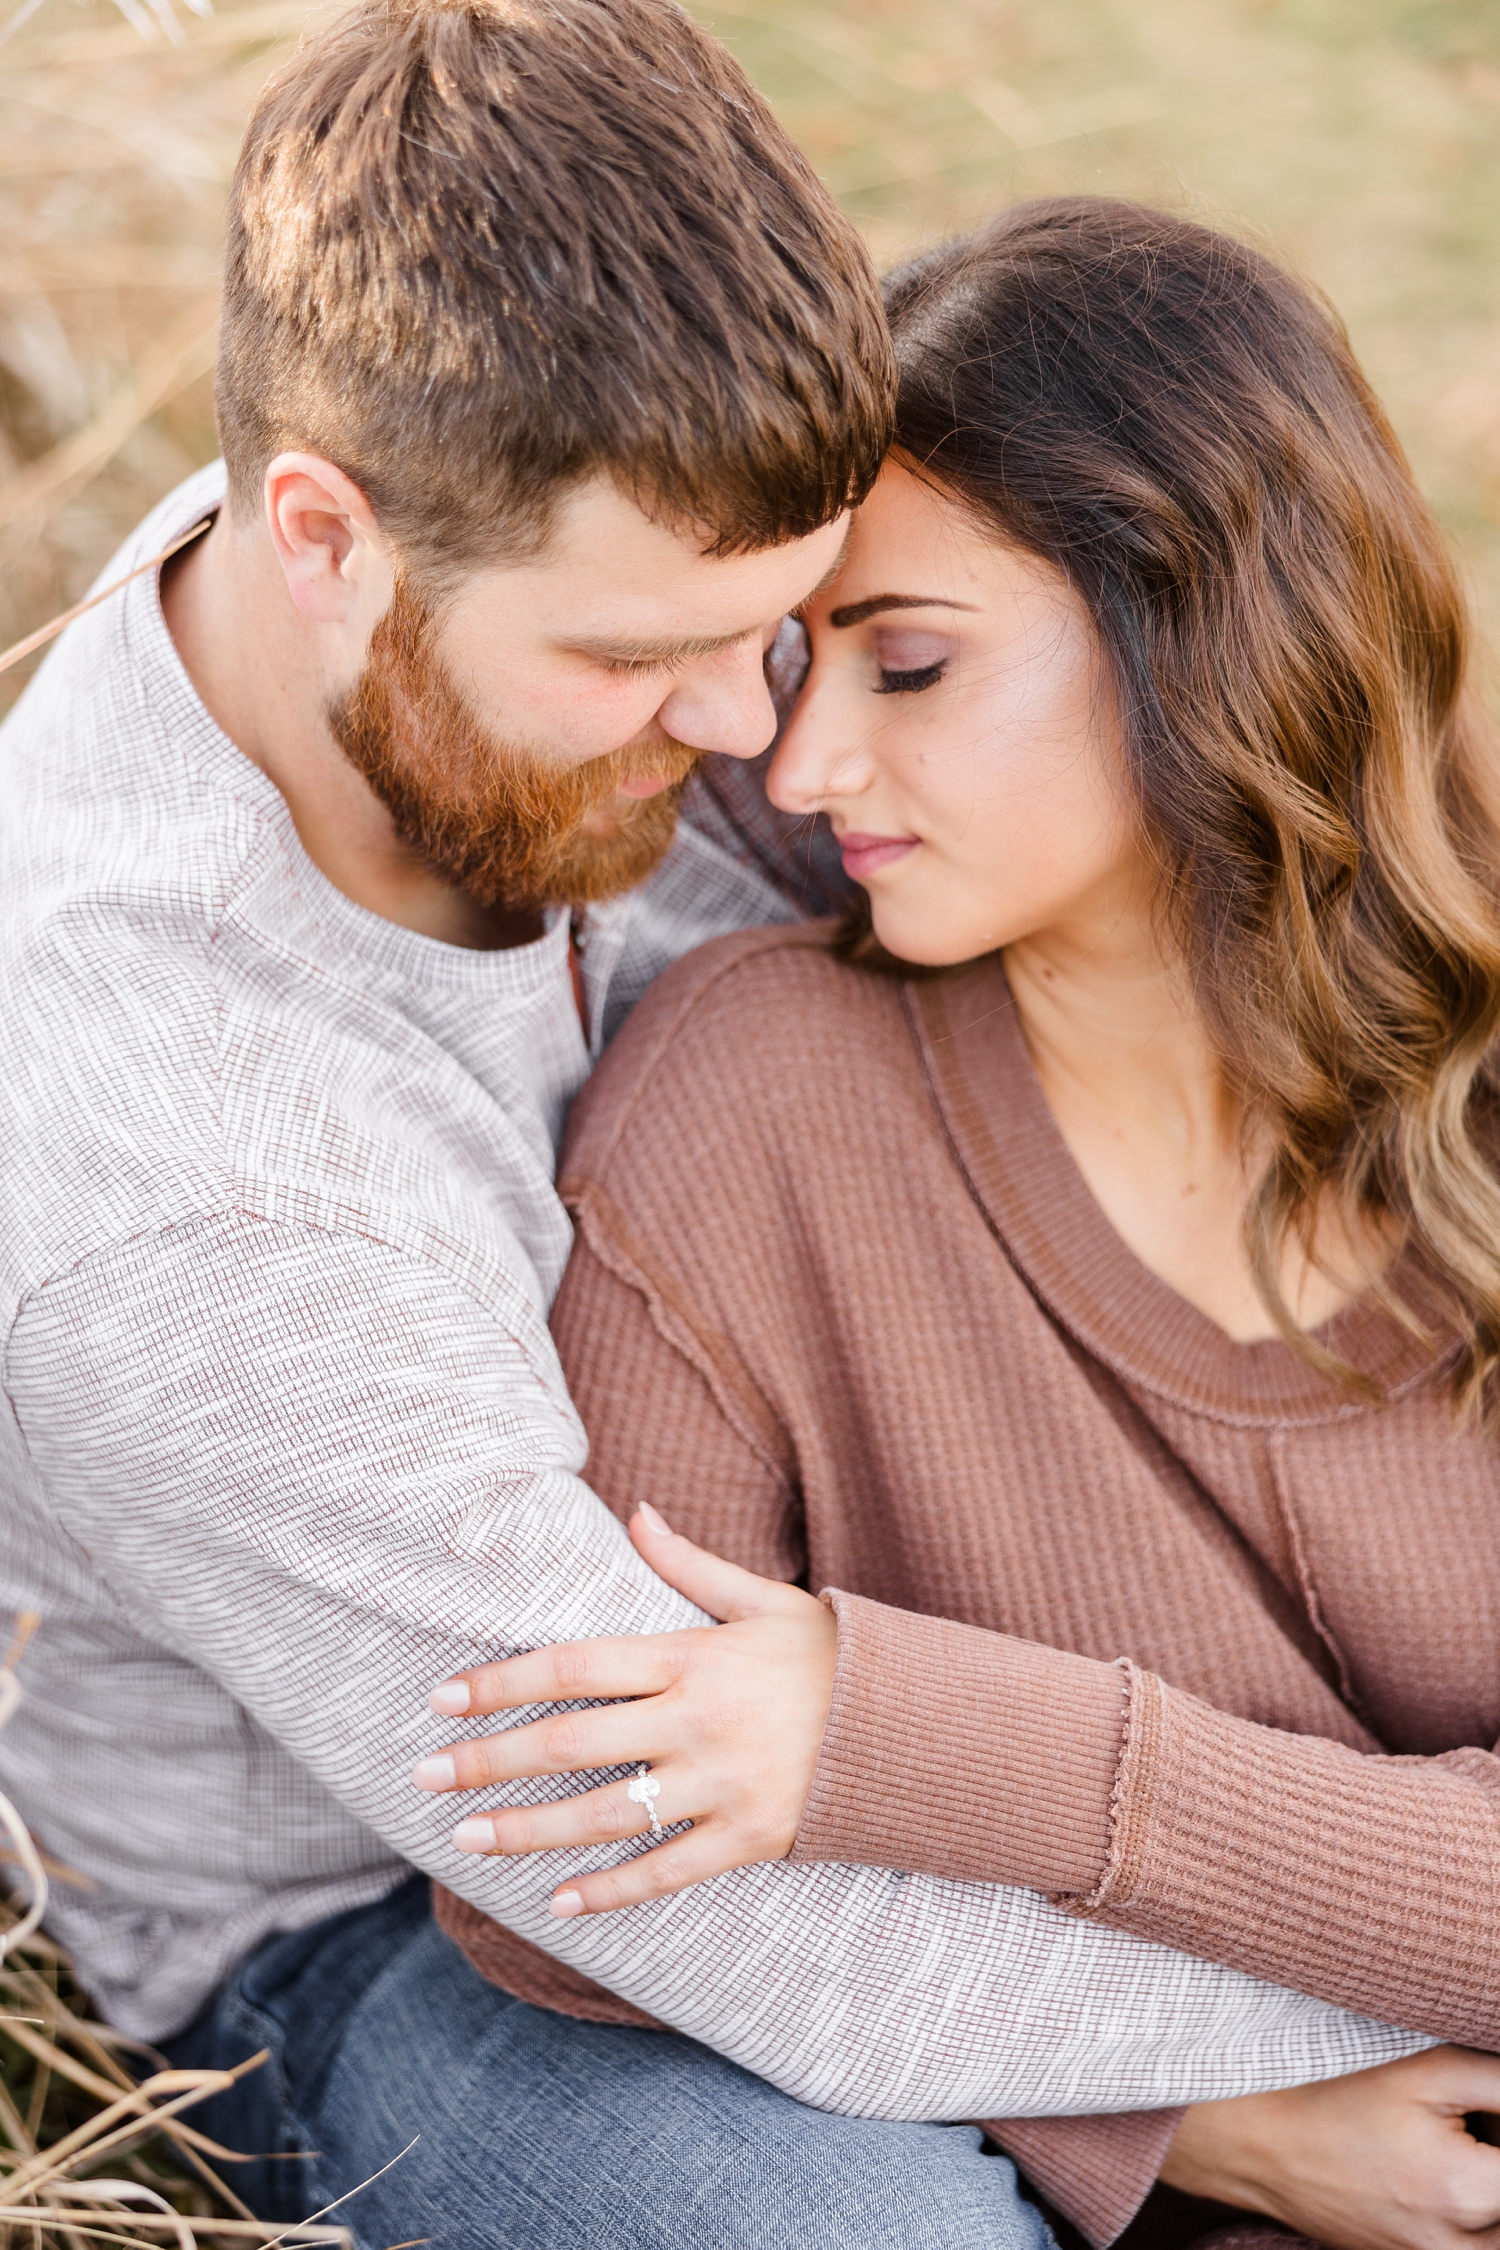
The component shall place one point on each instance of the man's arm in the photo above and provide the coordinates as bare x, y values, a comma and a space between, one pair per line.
319, 1469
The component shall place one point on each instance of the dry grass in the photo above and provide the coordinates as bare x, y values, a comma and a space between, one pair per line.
1360, 138
94, 2156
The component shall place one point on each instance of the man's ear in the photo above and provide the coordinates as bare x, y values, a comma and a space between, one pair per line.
331, 550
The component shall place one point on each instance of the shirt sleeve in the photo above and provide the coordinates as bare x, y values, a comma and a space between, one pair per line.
1229, 1838
319, 1469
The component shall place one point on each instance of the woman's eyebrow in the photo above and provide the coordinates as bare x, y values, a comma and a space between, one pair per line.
857, 612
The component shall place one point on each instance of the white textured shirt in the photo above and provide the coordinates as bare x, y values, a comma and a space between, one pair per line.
288, 1442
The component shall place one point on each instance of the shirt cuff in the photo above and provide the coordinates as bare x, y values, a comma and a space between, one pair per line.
1097, 2171
956, 1752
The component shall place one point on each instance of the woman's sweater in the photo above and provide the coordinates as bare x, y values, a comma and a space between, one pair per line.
1168, 1627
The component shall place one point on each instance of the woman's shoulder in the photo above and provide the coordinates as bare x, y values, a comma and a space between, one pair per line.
764, 1021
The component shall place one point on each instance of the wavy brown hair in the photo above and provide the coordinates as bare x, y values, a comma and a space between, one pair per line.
1181, 428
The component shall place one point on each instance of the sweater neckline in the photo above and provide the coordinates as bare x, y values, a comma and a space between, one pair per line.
1024, 1177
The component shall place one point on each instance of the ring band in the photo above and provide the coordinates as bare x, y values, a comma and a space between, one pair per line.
644, 1790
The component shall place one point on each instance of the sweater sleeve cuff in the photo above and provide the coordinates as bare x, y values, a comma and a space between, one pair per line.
957, 1752
1097, 2171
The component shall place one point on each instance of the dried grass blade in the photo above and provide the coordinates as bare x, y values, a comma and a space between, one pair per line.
23, 15
127, 2192
39, 639
185, 354
205, 2231
128, 2117
277, 2240
15, 2126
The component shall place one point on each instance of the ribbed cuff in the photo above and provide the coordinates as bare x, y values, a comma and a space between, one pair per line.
957, 1752
1097, 2171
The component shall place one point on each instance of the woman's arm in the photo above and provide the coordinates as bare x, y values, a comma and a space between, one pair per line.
1372, 1881
1381, 2160
732, 1720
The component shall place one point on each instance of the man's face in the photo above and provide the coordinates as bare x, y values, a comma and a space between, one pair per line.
531, 733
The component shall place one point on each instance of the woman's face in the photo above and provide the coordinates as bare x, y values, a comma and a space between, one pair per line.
959, 728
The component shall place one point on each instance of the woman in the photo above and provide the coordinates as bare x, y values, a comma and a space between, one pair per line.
1115, 1269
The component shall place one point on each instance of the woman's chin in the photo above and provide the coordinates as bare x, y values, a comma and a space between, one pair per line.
924, 940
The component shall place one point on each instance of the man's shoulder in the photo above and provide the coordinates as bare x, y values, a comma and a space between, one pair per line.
739, 1034
128, 837
128, 813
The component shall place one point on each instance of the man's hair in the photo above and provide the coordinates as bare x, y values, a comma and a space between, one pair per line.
480, 250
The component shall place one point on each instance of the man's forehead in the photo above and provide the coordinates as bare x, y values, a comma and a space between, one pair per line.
696, 604
611, 553
610, 583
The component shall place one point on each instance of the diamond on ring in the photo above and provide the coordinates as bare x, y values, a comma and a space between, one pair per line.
644, 1790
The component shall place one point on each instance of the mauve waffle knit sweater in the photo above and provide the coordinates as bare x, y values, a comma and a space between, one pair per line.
842, 1306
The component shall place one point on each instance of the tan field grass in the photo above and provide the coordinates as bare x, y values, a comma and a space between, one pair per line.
93, 2155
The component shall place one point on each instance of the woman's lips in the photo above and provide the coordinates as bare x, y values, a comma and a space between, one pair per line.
863, 854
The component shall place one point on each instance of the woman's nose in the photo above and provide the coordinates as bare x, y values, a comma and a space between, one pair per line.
821, 754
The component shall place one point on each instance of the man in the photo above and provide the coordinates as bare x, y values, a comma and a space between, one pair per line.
548, 376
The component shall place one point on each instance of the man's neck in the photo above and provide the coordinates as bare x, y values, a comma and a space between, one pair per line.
256, 665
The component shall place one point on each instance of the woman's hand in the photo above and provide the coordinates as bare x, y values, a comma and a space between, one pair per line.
728, 1717
1380, 2160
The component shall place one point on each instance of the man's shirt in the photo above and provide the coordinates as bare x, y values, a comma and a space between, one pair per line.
289, 1441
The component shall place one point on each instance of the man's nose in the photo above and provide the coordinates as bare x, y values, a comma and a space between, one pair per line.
722, 703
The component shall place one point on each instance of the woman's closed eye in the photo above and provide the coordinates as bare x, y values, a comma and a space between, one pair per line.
908, 662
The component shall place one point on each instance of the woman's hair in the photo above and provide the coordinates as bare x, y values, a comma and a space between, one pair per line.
1182, 430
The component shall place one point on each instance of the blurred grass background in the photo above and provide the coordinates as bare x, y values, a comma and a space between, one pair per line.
1358, 139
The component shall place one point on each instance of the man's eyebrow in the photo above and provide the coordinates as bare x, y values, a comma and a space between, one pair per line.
666, 649
857, 612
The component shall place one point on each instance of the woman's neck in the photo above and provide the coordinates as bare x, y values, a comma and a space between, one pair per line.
1132, 1081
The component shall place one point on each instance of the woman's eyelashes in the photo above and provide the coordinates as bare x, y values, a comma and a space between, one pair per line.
906, 662
911, 683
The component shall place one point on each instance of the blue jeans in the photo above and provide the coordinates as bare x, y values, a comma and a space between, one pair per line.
541, 2133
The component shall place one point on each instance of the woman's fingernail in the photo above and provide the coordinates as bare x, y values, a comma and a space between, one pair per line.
452, 1699
435, 1773
656, 1523
476, 1835
567, 1903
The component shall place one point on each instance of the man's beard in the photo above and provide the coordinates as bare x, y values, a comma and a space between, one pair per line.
502, 824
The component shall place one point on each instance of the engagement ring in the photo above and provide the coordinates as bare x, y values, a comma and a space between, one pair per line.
644, 1790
